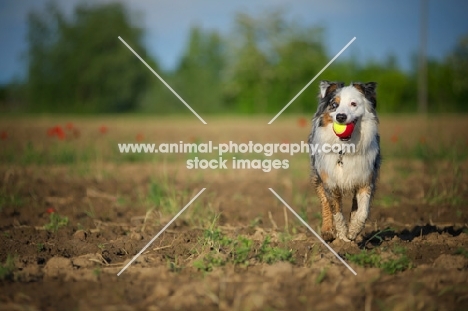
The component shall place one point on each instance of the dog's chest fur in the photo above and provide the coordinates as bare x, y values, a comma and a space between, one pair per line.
348, 170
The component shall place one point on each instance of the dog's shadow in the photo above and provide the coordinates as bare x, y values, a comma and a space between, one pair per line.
376, 238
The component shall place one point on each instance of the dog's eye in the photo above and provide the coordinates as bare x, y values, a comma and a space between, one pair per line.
353, 104
333, 105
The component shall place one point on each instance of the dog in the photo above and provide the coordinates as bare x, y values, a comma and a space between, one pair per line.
334, 174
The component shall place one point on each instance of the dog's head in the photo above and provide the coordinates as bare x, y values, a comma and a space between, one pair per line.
345, 104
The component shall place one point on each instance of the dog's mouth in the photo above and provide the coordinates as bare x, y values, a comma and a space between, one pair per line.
349, 137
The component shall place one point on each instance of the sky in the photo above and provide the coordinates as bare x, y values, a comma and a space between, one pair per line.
382, 28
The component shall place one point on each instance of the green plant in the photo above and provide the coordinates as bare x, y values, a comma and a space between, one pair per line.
218, 250
379, 235
365, 258
388, 200
242, 247
199, 214
97, 271
7, 268
216, 239
255, 222
269, 254
462, 251
91, 213
392, 266
322, 275
210, 261
303, 213
396, 263
55, 222
162, 196
156, 193
447, 193
40, 247
10, 199
173, 265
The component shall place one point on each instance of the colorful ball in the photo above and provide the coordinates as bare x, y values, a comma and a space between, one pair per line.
343, 130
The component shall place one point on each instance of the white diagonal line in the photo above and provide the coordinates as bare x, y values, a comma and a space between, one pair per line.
312, 230
316, 76
159, 233
162, 80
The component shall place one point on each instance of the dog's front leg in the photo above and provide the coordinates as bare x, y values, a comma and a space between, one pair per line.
360, 211
327, 218
340, 222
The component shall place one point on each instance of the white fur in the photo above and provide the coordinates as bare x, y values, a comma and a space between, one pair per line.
340, 226
359, 218
356, 168
348, 95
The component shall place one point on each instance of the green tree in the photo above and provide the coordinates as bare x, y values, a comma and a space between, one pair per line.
78, 64
301, 55
272, 59
197, 79
249, 70
457, 66
200, 71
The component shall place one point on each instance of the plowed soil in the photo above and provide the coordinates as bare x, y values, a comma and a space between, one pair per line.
116, 203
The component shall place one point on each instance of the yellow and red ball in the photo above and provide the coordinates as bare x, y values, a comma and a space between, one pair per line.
343, 130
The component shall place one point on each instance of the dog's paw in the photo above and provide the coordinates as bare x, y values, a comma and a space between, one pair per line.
340, 227
352, 236
344, 238
328, 236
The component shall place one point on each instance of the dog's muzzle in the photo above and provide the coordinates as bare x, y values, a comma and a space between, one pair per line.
349, 137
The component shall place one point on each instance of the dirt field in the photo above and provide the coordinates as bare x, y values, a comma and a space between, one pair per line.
74, 211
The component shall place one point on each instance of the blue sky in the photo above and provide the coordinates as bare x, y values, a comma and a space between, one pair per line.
381, 27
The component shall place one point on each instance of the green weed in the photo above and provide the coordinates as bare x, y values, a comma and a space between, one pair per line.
396, 263
269, 254
379, 235
209, 262
255, 222
392, 266
55, 222
174, 265
322, 275
40, 247
242, 251
10, 200
447, 193
162, 196
97, 272
7, 268
462, 251
387, 201
365, 259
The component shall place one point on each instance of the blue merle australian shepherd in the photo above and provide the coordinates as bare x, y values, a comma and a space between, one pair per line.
340, 172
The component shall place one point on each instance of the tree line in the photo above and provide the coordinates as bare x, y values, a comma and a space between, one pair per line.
76, 64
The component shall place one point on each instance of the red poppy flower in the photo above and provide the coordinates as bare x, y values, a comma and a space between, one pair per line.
139, 137
103, 129
56, 131
302, 122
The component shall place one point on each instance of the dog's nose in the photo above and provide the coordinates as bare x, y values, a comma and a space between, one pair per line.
341, 117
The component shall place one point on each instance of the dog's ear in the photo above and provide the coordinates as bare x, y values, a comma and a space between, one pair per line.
326, 87
368, 89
